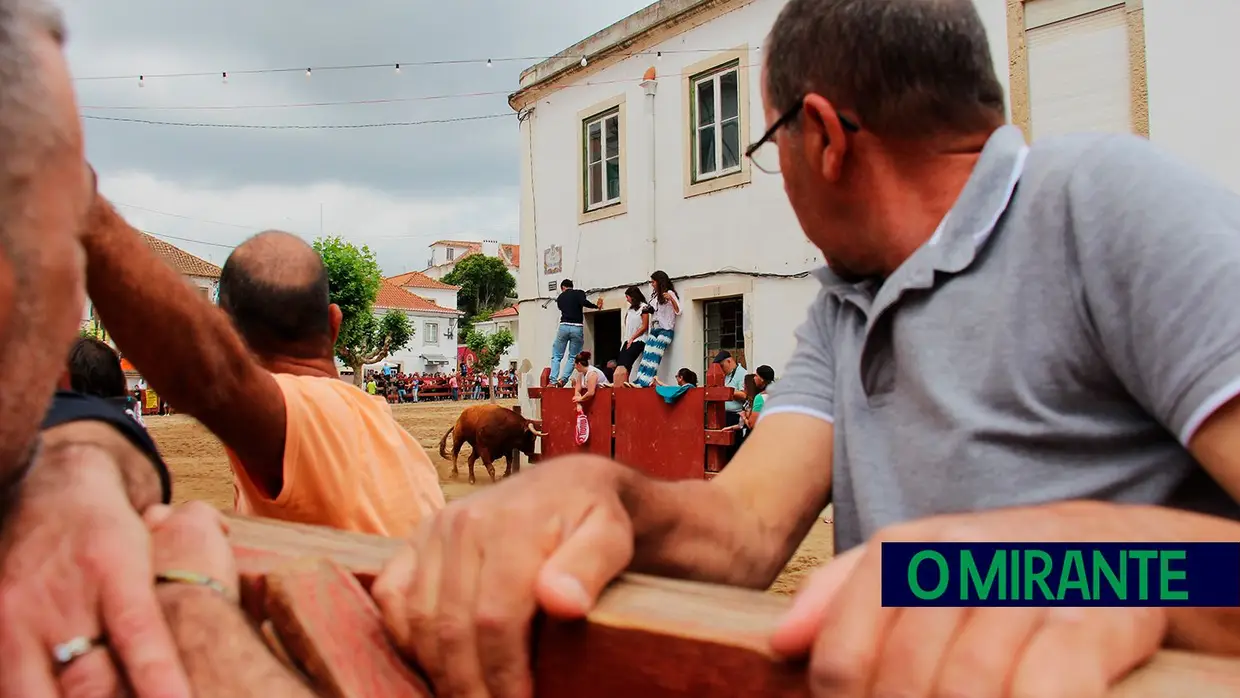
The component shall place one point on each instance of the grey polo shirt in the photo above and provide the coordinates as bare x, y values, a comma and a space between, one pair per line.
1062, 336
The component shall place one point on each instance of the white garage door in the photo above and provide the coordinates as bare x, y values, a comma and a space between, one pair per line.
1078, 67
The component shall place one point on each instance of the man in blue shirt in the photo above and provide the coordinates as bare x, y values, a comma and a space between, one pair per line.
734, 378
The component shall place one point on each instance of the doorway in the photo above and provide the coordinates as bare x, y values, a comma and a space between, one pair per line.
606, 332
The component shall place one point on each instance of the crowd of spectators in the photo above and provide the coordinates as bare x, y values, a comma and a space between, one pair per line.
467, 384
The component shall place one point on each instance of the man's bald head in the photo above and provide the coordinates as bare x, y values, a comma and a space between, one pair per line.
275, 288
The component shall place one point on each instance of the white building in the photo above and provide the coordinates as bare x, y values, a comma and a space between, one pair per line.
506, 319
202, 274
652, 134
446, 253
433, 347
432, 290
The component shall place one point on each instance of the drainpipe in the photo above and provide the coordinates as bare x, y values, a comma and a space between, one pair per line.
649, 84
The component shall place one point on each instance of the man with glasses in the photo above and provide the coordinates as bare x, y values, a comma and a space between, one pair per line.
1045, 336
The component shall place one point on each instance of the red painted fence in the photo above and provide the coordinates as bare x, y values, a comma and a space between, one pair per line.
636, 427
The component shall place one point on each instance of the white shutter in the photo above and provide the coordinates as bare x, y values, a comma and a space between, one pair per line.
1079, 75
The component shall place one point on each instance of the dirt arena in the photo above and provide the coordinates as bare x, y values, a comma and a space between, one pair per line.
200, 471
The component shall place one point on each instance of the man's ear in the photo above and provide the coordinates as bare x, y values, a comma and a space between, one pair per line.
334, 318
823, 137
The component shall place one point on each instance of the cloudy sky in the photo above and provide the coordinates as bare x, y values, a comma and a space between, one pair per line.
395, 188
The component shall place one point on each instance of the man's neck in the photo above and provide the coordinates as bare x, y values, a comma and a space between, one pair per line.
314, 368
914, 207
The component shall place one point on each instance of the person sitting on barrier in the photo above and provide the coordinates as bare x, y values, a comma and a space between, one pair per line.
663, 308
304, 446
686, 379
636, 325
1009, 342
586, 378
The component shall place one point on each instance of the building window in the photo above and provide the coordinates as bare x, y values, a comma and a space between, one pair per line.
602, 160
716, 123
1081, 67
724, 329
451, 254
432, 333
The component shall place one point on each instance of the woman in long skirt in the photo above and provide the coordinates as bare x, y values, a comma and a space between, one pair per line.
664, 306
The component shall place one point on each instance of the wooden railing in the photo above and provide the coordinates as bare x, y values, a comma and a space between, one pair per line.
648, 637
634, 426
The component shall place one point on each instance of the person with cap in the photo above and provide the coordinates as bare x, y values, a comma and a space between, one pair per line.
734, 378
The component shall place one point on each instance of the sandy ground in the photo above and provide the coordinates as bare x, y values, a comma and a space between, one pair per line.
200, 471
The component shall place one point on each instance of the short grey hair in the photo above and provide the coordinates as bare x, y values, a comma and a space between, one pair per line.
906, 68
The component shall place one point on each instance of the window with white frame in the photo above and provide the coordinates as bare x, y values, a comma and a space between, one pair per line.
432, 333
716, 123
451, 254
602, 160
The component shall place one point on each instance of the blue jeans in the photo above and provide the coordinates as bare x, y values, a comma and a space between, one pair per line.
574, 336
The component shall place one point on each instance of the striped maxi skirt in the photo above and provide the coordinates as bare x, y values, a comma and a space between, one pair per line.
656, 344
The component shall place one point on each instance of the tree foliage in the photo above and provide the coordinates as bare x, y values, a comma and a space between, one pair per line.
488, 349
355, 278
485, 282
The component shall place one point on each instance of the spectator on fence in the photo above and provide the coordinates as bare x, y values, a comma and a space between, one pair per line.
570, 336
763, 377
586, 378
636, 325
755, 391
663, 308
295, 434
686, 379
610, 371
733, 377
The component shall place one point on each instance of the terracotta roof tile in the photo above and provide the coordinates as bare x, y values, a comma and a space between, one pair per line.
393, 297
184, 262
417, 279
510, 311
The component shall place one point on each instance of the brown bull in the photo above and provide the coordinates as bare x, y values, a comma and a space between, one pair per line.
490, 430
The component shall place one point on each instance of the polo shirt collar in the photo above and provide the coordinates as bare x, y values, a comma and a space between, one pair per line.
961, 235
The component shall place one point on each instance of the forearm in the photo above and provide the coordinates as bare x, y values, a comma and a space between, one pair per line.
162, 324
220, 651
693, 529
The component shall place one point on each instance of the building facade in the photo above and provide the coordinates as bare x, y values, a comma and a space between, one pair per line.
444, 255
506, 319
433, 347
647, 121
433, 290
200, 273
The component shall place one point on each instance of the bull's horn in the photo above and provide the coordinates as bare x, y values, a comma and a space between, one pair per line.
534, 431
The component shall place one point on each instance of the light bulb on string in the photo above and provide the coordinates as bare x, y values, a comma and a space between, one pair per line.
398, 69
225, 77
583, 61
141, 81
658, 56
307, 72
488, 62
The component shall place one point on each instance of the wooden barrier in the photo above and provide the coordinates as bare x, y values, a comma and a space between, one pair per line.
648, 637
636, 427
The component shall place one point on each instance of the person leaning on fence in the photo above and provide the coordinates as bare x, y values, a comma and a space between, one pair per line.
304, 446
1008, 343
636, 325
663, 308
734, 375
95, 369
586, 378
570, 335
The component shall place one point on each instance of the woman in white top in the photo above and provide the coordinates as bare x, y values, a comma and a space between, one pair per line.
636, 324
586, 378
664, 306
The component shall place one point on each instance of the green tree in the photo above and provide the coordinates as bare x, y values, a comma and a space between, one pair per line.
488, 349
485, 283
355, 279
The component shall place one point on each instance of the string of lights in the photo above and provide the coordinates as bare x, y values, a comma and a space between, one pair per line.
396, 67
363, 102
296, 127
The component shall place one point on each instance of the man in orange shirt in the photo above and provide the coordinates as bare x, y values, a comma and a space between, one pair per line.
304, 445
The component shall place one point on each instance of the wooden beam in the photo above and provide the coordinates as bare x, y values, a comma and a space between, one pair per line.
652, 637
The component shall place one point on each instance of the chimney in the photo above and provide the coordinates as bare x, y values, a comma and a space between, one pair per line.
490, 248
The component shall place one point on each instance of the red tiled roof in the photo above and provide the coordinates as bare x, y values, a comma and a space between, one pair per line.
456, 243
184, 262
417, 279
393, 297
510, 311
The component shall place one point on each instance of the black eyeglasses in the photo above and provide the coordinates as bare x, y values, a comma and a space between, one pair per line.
768, 159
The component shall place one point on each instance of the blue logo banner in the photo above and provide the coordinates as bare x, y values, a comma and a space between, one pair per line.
1061, 574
